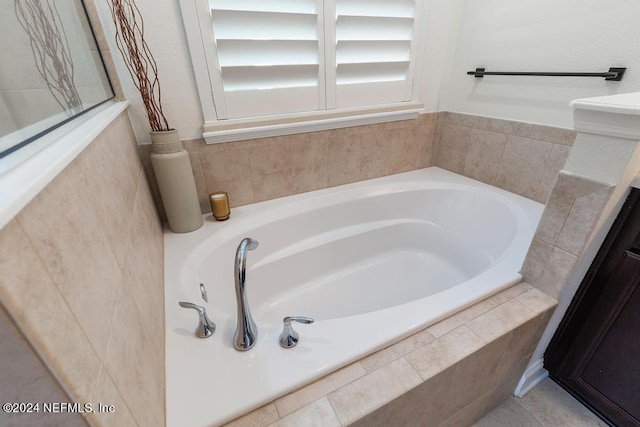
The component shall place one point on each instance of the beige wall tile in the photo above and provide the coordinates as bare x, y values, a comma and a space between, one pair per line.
573, 207
444, 352
266, 168
553, 217
523, 164
477, 373
482, 160
474, 410
404, 149
144, 202
557, 159
296, 400
425, 135
344, 157
30, 295
540, 329
106, 393
555, 274
376, 154
201, 184
459, 319
512, 365
228, 170
428, 404
143, 272
553, 134
271, 168
537, 301
25, 379
509, 293
272, 186
109, 172
509, 127
259, 418
67, 234
536, 260
581, 220
317, 414
397, 350
374, 419
134, 364
271, 156
452, 147
468, 120
74, 241
426, 118
372, 391
500, 320
155, 191
572, 185
309, 157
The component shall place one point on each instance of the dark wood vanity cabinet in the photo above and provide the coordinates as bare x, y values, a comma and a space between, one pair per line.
595, 353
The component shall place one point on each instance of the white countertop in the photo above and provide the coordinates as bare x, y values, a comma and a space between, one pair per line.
624, 103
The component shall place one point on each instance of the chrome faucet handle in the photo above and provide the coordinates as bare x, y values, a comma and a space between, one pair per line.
289, 337
206, 327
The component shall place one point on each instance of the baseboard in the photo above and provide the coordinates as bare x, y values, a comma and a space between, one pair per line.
531, 377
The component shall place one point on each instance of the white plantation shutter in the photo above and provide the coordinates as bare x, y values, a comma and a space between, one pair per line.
373, 52
289, 56
269, 57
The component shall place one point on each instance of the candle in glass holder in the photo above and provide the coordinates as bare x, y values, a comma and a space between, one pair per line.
220, 205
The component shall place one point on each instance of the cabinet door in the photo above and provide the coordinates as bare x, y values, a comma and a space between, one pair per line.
595, 353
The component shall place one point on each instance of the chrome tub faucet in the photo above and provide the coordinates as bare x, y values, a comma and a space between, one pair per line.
246, 333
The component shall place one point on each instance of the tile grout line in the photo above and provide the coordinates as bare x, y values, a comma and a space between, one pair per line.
530, 413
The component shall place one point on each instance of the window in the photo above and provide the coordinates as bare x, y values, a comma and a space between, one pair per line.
256, 58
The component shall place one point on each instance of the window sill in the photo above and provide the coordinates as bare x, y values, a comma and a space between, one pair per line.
26, 172
287, 124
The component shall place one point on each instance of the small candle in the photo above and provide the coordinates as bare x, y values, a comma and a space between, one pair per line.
220, 205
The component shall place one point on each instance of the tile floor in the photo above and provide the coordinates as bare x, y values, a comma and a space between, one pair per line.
546, 405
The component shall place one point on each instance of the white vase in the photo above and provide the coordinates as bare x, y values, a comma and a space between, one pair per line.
174, 176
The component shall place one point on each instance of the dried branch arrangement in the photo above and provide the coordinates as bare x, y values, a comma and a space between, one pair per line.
50, 47
138, 58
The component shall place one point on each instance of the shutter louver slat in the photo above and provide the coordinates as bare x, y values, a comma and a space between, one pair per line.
383, 8
350, 52
284, 6
267, 52
269, 77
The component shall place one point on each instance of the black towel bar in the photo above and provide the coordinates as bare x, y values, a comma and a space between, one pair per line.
614, 74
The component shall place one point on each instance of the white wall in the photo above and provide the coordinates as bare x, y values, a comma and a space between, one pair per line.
542, 35
440, 38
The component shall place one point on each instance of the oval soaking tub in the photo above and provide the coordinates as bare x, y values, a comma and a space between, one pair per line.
371, 262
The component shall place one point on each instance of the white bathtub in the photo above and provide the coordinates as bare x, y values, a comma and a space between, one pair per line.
372, 262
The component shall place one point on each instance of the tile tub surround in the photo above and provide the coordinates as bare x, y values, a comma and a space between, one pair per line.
523, 158
450, 373
266, 168
569, 218
81, 273
19, 364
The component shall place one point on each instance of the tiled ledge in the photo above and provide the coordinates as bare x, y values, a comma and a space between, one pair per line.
522, 158
450, 373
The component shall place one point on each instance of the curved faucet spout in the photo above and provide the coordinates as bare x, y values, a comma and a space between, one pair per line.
246, 333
